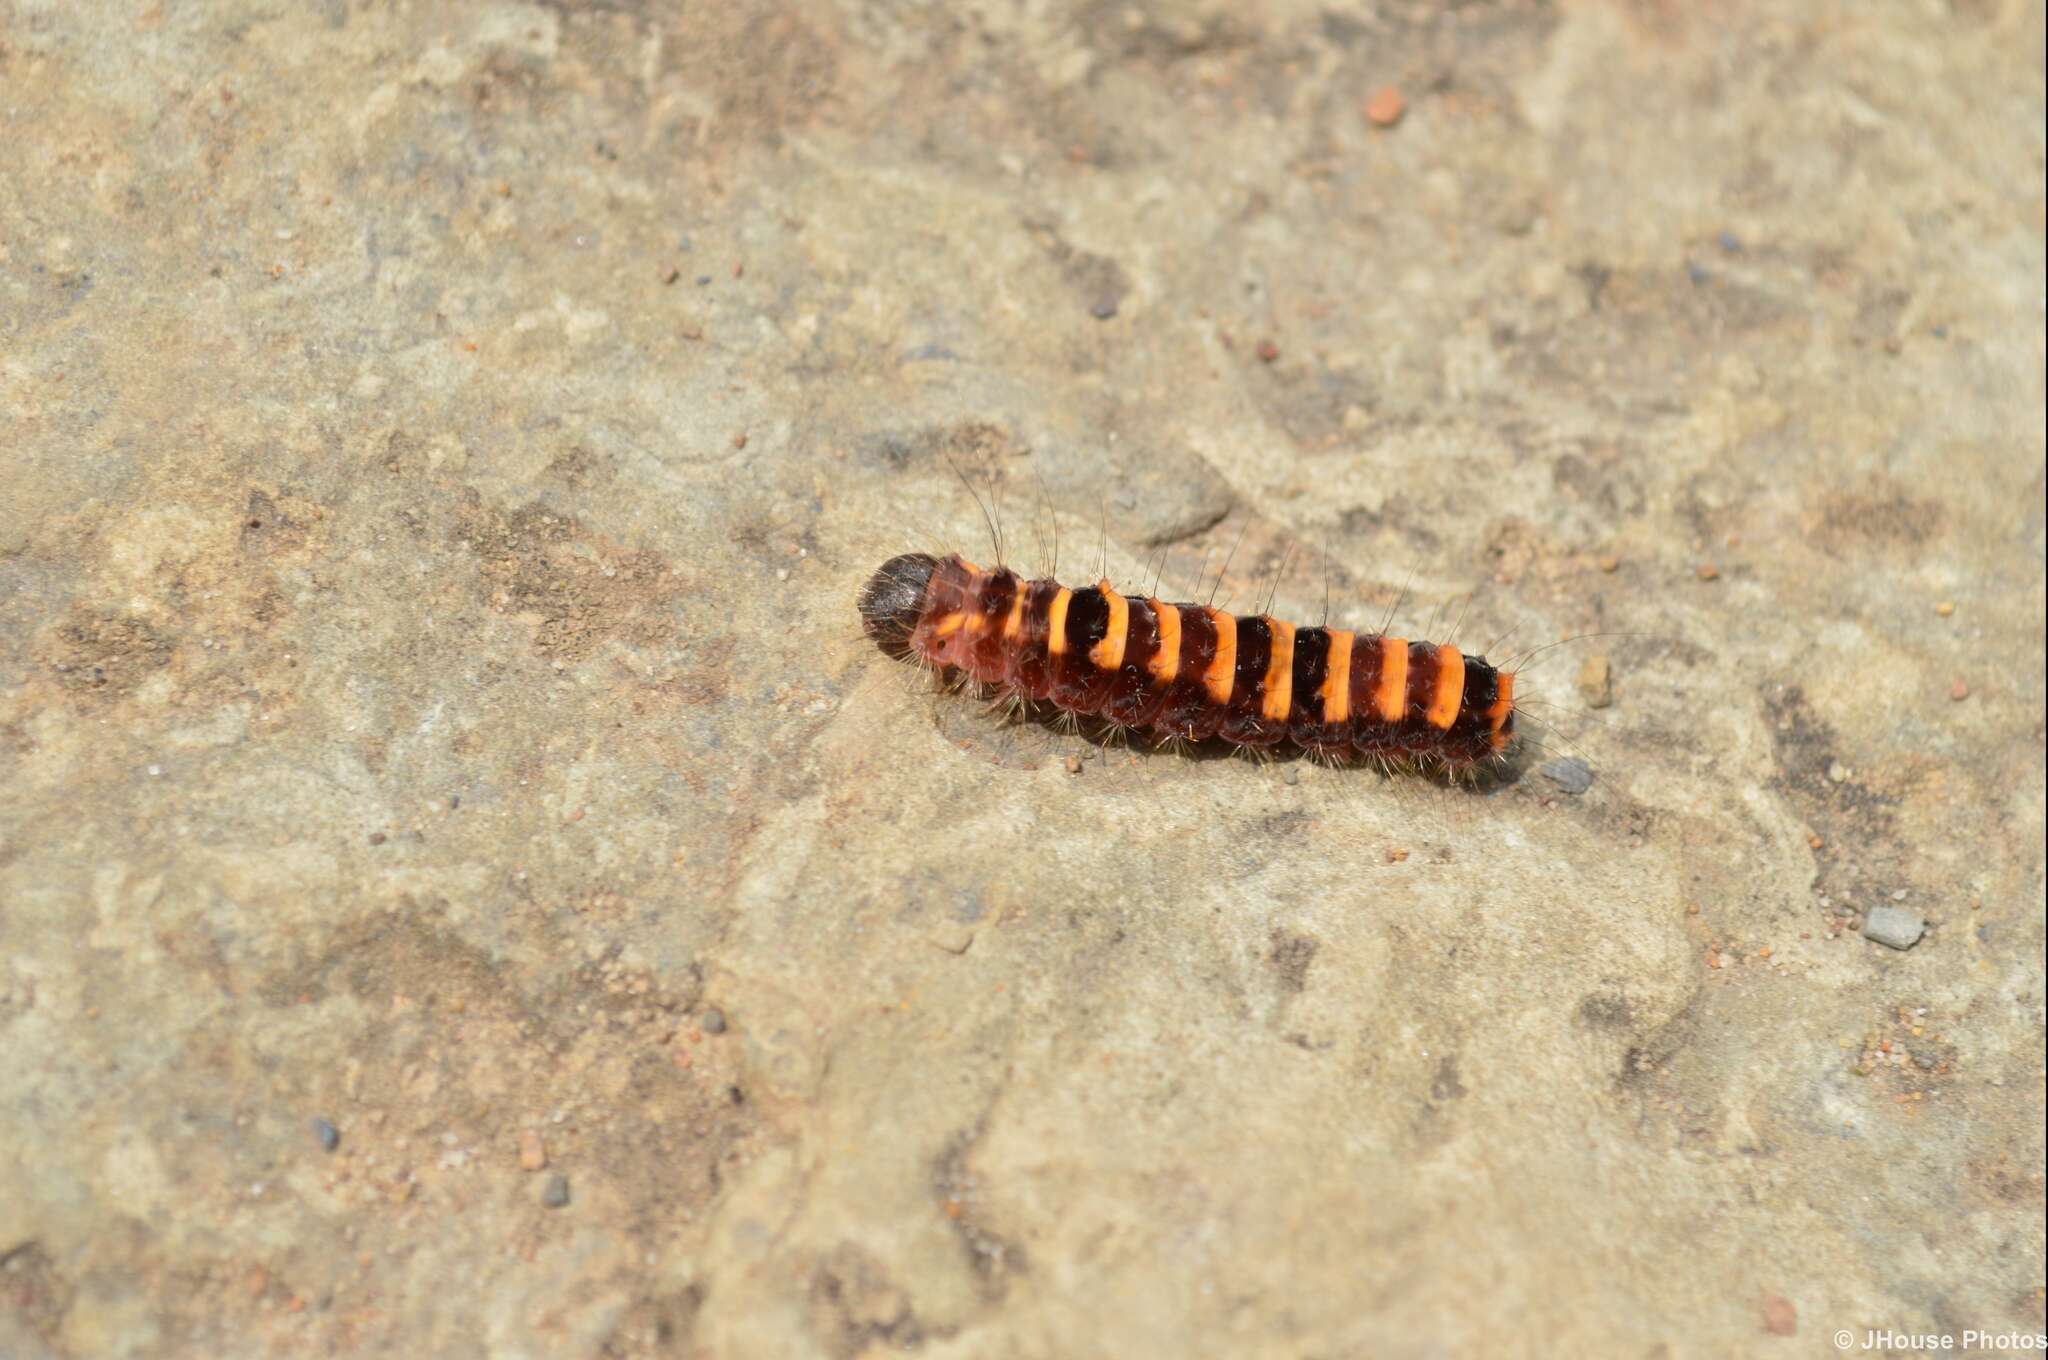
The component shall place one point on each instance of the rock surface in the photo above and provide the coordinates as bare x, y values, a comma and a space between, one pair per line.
442, 446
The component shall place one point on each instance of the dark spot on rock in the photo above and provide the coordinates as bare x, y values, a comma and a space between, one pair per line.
1876, 515
106, 654
1291, 956
1595, 277
1607, 1010
857, 1309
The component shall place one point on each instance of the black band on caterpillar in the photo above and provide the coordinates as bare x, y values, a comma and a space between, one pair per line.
1189, 672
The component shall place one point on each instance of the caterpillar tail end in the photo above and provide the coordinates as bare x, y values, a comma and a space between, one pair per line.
893, 599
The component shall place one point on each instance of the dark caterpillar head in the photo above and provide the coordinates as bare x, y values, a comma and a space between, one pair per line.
892, 600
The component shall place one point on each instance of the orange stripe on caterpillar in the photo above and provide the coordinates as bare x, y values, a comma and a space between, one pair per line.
1109, 653
1189, 671
1164, 664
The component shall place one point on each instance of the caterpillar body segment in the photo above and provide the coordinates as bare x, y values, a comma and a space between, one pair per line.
1189, 672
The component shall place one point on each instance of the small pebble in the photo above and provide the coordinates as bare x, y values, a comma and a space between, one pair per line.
556, 1193
533, 1152
1895, 927
1571, 775
1780, 1317
1731, 243
329, 1136
1596, 682
1384, 107
1104, 307
1945, 608
1610, 564
1707, 571
1288, 776
1838, 772
1268, 351
712, 1021
1959, 689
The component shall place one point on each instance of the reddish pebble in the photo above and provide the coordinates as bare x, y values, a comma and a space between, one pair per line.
1959, 689
1268, 351
1780, 1317
1707, 571
1385, 106
533, 1153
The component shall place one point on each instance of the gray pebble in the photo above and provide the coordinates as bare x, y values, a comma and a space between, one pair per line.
712, 1021
1894, 926
555, 1193
1571, 775
329, 1136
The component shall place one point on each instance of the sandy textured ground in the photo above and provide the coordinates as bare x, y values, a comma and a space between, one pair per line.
466, 890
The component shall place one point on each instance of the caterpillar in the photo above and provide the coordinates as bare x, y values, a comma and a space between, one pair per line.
1189, 673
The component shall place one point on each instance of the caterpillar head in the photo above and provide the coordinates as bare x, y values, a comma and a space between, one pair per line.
893, 599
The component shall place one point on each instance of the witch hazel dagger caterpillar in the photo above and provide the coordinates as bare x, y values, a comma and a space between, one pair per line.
1188, 672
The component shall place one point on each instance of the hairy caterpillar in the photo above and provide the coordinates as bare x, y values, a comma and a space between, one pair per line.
1187, 672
